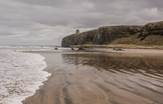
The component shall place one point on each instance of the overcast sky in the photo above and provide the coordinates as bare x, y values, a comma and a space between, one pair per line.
47, 21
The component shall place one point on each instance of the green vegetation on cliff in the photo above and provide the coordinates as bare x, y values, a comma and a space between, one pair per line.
149, 34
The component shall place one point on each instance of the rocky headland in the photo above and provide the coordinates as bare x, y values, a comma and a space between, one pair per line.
150, 34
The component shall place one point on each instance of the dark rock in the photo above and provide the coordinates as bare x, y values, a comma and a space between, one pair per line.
155, 28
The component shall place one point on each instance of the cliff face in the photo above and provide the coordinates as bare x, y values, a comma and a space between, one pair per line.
108, 34
117, 35
82, 38
151, 29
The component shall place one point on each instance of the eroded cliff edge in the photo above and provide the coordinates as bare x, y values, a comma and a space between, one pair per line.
149, 34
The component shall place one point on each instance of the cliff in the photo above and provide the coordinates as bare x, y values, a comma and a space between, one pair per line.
149, 34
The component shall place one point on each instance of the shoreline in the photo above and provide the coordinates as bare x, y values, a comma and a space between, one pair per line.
47, 69
43, 70
123, 46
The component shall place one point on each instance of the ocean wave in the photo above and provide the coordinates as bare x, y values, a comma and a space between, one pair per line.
21, 74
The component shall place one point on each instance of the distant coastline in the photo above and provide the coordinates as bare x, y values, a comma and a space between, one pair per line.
146, 36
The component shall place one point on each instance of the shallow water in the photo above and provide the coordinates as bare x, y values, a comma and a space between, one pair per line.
90, 78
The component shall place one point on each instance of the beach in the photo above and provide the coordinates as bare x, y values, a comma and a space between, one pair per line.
102, 76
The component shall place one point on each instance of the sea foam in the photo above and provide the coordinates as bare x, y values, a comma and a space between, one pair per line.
21, 74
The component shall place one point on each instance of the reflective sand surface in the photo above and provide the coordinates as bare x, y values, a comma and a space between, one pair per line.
91, 78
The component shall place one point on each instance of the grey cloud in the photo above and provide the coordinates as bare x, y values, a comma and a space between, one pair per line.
47, 21
78, 13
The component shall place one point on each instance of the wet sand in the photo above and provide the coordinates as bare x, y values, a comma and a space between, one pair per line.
102, 78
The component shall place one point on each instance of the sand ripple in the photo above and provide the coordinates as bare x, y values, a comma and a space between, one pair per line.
101, 79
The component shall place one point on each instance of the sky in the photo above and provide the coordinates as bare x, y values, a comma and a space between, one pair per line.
46, 22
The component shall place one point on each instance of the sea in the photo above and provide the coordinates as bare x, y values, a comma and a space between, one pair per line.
21, 74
